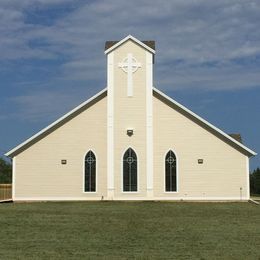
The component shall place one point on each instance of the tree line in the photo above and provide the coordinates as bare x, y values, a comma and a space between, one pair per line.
255, 181
6, 176
5, 171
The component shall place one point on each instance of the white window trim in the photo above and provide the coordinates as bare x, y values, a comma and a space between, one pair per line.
122, 172
96, 190
177, 172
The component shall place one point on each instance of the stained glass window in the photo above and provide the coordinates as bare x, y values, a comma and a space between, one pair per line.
170, 172
130, 171
90, 172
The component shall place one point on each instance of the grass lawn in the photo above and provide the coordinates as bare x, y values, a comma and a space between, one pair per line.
129, 230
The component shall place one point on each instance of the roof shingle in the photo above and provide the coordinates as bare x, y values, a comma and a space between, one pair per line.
109, 44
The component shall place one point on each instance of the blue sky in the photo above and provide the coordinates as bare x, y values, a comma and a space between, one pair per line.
51, 59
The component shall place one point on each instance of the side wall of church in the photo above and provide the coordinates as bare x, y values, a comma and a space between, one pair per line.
39, 173
223, 173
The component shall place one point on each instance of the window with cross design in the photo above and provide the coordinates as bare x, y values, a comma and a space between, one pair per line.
90, 172
170, 172
130, 171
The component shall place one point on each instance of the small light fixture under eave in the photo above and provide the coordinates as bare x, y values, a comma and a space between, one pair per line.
130, 131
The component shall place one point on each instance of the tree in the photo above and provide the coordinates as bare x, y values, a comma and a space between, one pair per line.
255, 181
5, 171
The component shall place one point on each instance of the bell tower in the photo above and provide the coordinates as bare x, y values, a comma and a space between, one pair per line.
130, 113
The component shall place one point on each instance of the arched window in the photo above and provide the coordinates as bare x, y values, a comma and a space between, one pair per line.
170, 172
130, 170
90, 172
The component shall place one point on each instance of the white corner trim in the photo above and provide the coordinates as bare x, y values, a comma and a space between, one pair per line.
13, 176
129, 37
55, 122
110, 122
204, 121
247, 178
149, 121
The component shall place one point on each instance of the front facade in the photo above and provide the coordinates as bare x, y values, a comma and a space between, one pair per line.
130, 142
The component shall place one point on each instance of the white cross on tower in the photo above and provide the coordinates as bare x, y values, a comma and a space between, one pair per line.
129, 65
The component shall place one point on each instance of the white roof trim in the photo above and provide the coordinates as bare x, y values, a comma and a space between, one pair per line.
55, 123
129, 37
103, 91
204, 121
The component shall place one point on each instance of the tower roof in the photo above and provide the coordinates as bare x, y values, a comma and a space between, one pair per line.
111, 45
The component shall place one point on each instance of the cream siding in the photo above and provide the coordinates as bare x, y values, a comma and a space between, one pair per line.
221, 175
129, 112
158, 127
39, 172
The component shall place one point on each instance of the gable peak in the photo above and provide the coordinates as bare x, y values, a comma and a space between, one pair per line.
112, 45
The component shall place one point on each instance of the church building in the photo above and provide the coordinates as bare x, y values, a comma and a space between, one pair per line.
131, 142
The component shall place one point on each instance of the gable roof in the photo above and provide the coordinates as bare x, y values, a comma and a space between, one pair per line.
74, 112
148, 45
109, 44
206, 124
231, 140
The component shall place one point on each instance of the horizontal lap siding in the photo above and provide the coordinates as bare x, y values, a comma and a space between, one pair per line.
223, 171
39, 172
130, 112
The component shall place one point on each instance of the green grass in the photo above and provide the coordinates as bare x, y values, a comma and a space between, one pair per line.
133, 230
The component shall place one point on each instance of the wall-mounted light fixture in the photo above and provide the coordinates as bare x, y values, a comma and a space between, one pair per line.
63, 161
200, 161
129, 132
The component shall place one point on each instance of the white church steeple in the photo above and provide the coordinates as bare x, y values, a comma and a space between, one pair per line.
129, 104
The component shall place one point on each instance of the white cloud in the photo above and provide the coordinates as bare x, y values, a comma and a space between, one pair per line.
43, 106
189, 35
210, 79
